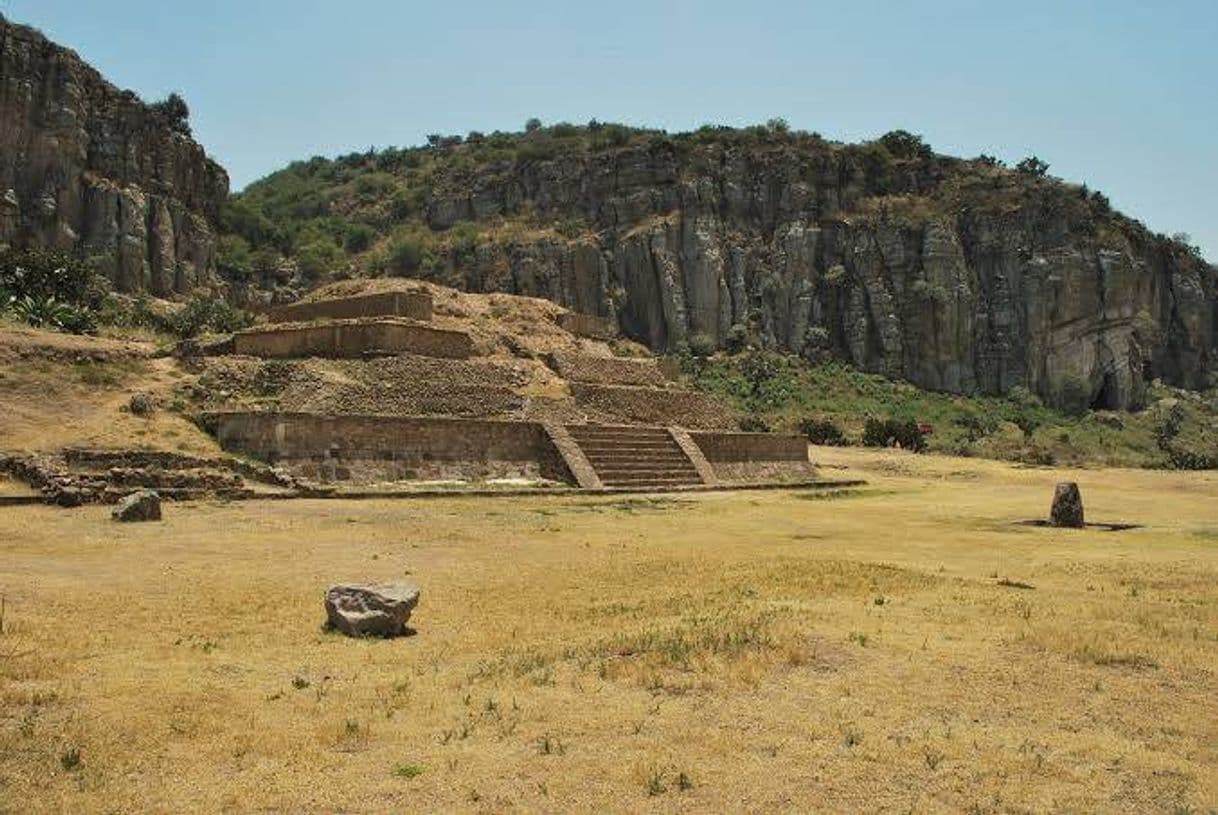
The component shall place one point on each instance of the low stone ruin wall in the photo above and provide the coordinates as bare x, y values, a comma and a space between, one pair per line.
653, 406
405, 385
746, 457
369, 449
81, 476
352, 339
407, 398
415, 305
588, 325
607, 370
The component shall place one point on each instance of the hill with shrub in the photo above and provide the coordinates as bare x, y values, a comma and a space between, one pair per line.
958, 275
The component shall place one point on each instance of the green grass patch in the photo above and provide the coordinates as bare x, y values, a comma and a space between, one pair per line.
785, 393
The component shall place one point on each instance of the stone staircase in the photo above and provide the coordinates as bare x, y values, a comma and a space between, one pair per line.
635, 457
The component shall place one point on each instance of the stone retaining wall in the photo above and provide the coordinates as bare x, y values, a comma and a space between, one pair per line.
607, 370
588, 325
723, 447
415, 305
755, 457
353, 339
367, 449
651, 406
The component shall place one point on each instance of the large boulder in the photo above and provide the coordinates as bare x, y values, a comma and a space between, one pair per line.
370, 609
144, 505
1067, 506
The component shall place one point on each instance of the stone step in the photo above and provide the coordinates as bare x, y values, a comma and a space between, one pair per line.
632, 451
651, 483
655, 438
663, 476
627, 461
616, 428
640, 443
635, 457
614, 472
629, 470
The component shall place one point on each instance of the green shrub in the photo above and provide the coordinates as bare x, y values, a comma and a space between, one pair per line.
816, 339
47, 312
822, 431
1028, 422
406, 202
753, 424
242, 216
903, 433
174, 112
1170, 426
464, 242
44, 274
536, 150
1033, 166
373, 186
571, 228
204, 313
701, 345
903, 144
1073, 396
737, 338
358, 238
318, 257
234, 254
609, 135
878, 170
976, 425
1182, 459
405, 255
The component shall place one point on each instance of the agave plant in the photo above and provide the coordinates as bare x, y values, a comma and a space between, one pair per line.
47, 312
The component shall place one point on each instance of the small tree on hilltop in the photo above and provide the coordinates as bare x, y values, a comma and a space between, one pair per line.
532, 125
174, 111
1033, 166
903, 144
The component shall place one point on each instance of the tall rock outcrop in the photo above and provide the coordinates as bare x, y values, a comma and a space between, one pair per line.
88, 167
955, 275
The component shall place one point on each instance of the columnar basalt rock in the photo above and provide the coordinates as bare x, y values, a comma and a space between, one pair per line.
86, 166
1012, 281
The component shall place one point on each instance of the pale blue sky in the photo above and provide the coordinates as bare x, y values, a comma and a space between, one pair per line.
1119, 94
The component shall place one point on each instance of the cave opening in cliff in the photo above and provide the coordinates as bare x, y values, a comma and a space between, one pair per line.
1109, 396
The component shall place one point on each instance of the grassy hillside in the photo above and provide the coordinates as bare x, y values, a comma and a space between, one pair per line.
779, 392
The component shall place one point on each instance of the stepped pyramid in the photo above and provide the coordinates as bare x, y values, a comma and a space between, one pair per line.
376, 387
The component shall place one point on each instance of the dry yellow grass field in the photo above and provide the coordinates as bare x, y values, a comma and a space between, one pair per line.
904, 648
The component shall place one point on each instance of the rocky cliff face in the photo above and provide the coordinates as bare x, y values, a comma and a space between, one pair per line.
88, 167
957, 276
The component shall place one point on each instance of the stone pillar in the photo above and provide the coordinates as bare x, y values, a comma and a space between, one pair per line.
1067, 506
